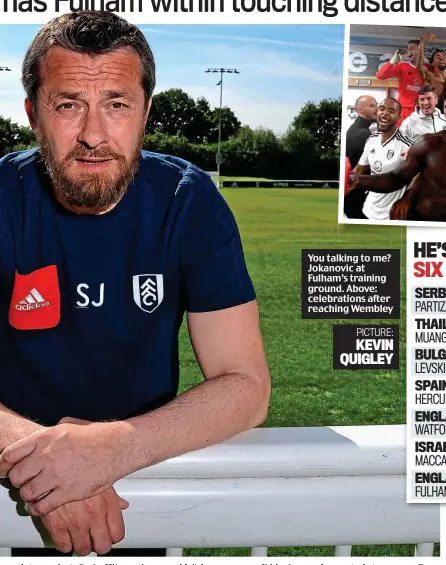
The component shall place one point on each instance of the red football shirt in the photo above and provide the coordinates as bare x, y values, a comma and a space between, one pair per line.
409, 81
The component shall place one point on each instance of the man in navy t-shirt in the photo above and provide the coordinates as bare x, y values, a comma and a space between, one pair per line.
103, 248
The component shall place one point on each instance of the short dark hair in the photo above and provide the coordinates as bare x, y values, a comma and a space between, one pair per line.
92, 33
414, 41
431, 60
426, 89
395, 101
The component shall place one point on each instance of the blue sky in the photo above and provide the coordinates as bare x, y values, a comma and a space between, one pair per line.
281, 66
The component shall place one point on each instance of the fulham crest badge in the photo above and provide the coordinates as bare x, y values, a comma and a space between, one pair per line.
148, 291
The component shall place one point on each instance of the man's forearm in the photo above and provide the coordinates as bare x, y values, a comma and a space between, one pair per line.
14, 427
419, 58
419, 61
204, 415
386, 183
386, 71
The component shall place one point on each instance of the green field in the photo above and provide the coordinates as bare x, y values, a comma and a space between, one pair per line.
275, 225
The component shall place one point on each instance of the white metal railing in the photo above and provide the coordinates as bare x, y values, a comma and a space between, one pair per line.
277, 487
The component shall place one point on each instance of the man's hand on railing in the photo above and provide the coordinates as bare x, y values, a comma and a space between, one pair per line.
61, 464
94, 524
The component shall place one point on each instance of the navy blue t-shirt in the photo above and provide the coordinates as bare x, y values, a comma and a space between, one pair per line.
91, 306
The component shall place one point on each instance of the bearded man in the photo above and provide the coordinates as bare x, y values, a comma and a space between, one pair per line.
103, 249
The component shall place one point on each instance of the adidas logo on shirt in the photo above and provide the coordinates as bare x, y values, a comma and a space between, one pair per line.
33, 301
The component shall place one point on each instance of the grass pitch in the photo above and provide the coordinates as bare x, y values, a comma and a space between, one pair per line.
275, 225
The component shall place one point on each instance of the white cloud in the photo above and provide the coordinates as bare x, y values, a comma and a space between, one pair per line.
318, 46
253, 95
251, 62
272, 66
11, 91
16, 112
272, 115
269, 91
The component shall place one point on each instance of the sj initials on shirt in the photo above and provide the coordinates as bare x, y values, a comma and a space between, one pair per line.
86, 298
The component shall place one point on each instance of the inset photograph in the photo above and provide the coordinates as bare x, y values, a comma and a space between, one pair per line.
394, 126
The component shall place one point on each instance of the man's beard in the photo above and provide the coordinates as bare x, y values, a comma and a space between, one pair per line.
94, 192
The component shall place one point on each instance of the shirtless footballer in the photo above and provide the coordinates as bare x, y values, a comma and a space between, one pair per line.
426, 198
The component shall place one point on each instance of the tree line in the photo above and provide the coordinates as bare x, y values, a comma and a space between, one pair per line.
187, 128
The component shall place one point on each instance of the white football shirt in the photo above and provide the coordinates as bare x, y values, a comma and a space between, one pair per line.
383, 158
